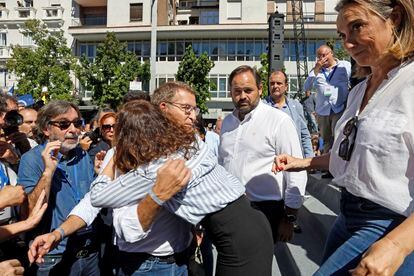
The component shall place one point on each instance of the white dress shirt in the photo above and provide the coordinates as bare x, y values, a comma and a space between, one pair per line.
381, 168
247, 150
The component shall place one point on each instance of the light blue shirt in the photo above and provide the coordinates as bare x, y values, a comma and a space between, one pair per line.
294, 109
70, 182
338, 77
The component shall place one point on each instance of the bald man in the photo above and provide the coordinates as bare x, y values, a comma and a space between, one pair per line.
330, 77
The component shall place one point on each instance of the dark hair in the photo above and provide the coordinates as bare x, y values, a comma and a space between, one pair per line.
199, 125
167, 91
53, 109
3, 105
243, 69
143, 134
136, 95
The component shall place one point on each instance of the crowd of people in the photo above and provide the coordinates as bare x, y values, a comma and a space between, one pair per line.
147, 188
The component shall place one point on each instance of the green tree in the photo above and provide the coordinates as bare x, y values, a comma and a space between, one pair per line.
109, 74
194, 71
47, 64
264, 74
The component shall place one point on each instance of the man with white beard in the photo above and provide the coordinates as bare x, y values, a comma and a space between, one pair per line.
65, 172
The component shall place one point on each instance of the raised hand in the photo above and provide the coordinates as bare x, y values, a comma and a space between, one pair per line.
7, 153
49, 156
37, 212
12, 196
171, 178
99, 157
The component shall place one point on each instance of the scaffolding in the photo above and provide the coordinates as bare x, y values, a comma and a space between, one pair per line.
300, 45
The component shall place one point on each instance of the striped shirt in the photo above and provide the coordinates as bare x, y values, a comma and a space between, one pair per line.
210, 189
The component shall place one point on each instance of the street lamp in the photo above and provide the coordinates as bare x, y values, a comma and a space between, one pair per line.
153, 44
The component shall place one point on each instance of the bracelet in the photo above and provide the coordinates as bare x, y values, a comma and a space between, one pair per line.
155, 198
62, 233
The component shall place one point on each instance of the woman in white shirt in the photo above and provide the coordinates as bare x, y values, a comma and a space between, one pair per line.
373, 153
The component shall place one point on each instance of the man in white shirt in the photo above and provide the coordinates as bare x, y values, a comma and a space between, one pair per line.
250, 138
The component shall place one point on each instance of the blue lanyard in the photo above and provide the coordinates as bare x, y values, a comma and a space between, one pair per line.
328, 78
4, 179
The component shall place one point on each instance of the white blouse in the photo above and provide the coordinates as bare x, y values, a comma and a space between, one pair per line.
381, 168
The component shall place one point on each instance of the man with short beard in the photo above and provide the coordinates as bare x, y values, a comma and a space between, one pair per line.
250, 138
65, 172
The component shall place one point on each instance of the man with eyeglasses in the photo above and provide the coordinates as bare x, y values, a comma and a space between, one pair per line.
330, 77
65, 172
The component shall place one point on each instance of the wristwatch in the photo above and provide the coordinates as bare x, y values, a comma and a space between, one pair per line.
290, 217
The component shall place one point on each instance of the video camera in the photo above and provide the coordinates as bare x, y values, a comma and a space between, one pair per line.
12, 121
94, 135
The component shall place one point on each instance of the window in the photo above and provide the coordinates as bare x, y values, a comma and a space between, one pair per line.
53, 12
234, 9
27, 40
88, 50
24, 13
3, 39
209, 17
135, 12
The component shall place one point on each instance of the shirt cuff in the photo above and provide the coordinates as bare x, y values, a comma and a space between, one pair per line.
85, 210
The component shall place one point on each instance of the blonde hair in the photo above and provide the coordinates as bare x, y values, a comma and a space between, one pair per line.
402, 46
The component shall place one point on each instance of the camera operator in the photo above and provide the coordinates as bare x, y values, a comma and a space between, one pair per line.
10, 127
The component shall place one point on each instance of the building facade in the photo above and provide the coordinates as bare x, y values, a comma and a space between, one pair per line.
232, 32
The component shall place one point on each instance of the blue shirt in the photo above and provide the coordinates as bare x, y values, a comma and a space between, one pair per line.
294, 109
70, 182
338, 77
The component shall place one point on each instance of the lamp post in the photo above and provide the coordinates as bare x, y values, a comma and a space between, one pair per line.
153, 44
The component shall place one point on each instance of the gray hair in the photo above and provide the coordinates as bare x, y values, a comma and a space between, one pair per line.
51, 110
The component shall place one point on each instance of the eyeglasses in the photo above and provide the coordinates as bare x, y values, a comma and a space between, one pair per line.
107, 127
63, 125
345, 149
186, 108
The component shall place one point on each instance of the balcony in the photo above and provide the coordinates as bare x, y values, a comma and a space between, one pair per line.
195, 4
328, 17
91, 3
25, 13
53, 13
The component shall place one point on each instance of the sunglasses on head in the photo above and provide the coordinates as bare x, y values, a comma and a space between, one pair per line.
345, 148
63, 125
107, 127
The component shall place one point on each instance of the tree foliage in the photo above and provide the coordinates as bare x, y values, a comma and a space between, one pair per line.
264, 74
47, 64
109, 74
194, 71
